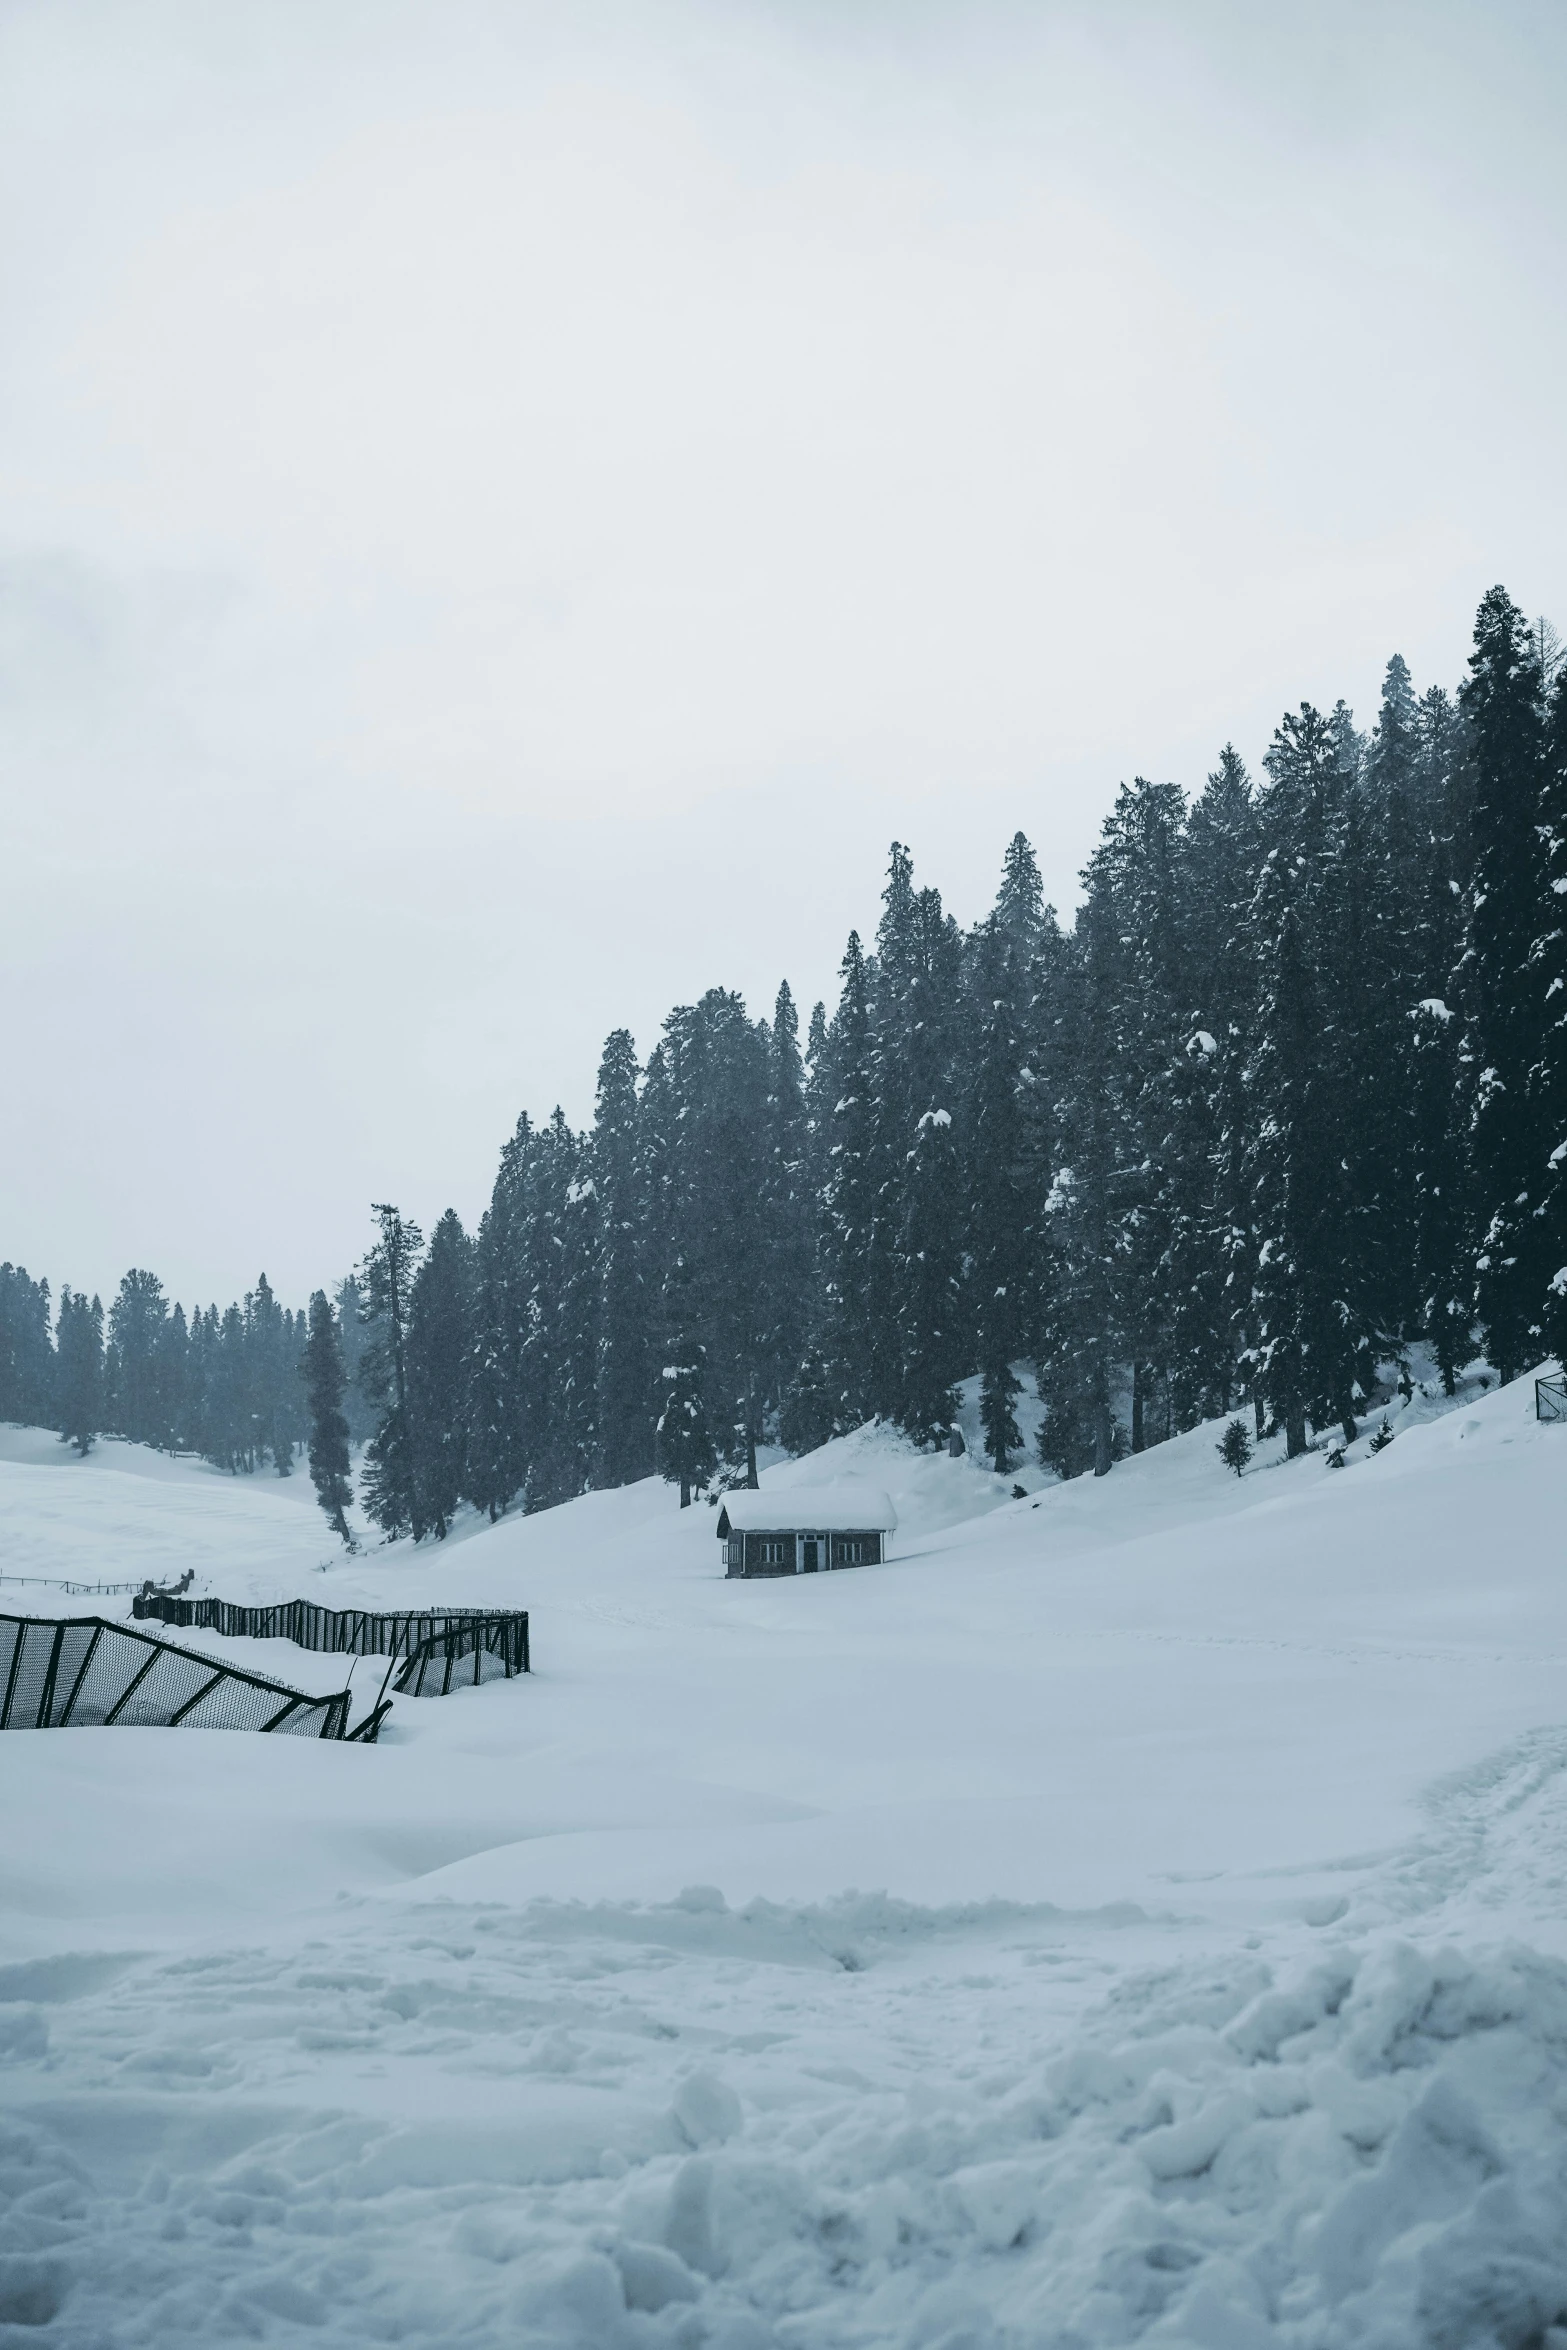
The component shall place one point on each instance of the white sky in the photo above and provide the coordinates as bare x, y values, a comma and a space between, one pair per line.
505, 511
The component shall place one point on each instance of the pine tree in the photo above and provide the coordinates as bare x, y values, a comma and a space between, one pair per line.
996, 1198
1080, 1337
1548, 969
437, 1352
788, 1235
850, 1202
390, 1486
497, 1446
1236, 1449
135, 1403
1020, 914
326, 1381
1159, 1197
929, 1282
687, 1455
356, 1337
1315, 1326
229, 1422
999, 1390
27, 1362
556, 1371
916, 997
170, 1376
1509, 1147
271, 1358
79, 1347
1440, 1269
624, 1407
805, 1417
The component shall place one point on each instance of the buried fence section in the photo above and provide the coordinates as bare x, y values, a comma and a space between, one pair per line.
496, 1646
1550, 1399
437, 1644
84, 1672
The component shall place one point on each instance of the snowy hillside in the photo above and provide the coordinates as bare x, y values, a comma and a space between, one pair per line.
1133, 1912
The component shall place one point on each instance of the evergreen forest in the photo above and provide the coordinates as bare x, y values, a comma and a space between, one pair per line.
1286, 1096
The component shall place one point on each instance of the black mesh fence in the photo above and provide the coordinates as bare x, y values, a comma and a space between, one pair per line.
463, 1651
82, 1671
442, 1649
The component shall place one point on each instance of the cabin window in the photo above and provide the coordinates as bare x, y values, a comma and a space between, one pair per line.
778, 1550
851, 1550
736, 1550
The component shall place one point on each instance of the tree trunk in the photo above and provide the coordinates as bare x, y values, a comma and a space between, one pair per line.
1137, 1407
1294, 1430
1260, 1417
685, 1493
1103, 1448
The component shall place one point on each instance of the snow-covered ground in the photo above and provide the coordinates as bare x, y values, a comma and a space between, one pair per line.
1136, 1912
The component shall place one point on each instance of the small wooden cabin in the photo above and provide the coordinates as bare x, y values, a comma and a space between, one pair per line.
804, 1530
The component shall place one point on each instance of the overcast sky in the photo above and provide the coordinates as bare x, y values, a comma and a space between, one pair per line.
508, 510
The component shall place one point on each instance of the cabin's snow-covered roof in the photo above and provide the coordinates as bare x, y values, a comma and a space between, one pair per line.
808, 1509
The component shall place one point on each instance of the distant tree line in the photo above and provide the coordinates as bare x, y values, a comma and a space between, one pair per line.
227, 1385
1288, 1095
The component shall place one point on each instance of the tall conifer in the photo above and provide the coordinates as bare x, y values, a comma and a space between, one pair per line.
325, 1382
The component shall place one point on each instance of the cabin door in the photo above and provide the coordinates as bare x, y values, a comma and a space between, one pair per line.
811, 1547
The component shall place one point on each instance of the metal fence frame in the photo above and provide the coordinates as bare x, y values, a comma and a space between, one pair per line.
60, 1671
434, 1642
1550, 1399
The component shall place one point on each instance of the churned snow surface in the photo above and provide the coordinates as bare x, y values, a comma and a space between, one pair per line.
1135, 1913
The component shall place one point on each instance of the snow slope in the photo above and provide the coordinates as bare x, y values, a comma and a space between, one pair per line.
1134, 1912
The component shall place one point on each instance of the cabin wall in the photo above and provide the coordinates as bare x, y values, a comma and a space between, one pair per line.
780, 1554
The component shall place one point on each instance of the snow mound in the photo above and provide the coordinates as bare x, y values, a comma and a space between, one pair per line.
1363, 2151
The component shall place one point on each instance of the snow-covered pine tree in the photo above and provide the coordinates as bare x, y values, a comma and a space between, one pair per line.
901, 1083
709, 1099
1445, 786
624, 1407
1440, 1268
805, 1416
929, 1278
818, 1124
1080, 1341
788, 1211
850, 1206
1312, 1325
1366, 948
1219, 860
169, 1375
1509, 1149
996, 1200
325, 1382
1020, 914
1548, 968
687, 1455
1393, 777
1135, 876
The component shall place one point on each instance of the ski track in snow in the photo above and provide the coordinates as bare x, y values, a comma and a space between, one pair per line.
1323, 2108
